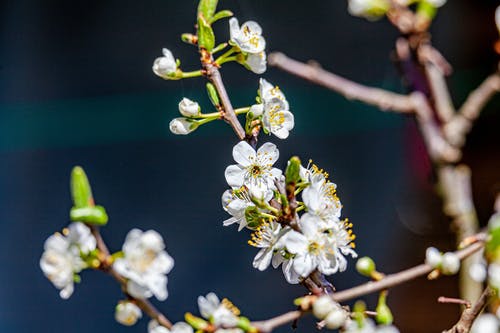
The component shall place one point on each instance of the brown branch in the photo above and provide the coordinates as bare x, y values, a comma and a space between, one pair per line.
106, 266
451, 300
458, 127
269, 325
383, 99
213, 74
469, 315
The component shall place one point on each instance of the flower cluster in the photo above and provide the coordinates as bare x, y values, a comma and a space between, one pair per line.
249, 41
316, 240
448, 263
64, 256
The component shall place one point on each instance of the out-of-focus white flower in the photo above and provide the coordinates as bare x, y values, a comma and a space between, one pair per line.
61, 258
317, 248
182, 126
268, 237
433, 257
494, 276
477, 272
276, 117
257, 62
253, 167
165, 66
371, 9
485, 323
497, 18
217, 312
145, 264
180, 327
450, 264
323, 306
127, 313
189, 108
368, 326
436, 3
248, 37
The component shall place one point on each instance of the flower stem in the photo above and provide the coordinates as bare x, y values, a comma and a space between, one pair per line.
186, 75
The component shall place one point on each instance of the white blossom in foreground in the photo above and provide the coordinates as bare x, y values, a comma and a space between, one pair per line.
180, 327
218, 313
370, 9
317, 248
497, 18
248, 37
485, 323
61, 259
269, 237
321, 200
145, 264
127, 313
254, 167
189, 108
367, 326
182, 126
165, 66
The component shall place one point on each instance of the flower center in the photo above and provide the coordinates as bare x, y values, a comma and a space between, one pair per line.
314, 248
255, 170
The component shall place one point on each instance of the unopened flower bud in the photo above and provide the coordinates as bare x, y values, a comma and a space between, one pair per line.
433, 257
189, 108
450, 264
365, 266
127, 313
336, 318
323, 306
182, 126
166, 65
485, 323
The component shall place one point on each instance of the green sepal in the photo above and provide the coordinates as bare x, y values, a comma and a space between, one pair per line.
292, 172
196, 322
206, 37
212, 94
426, 9
220, 15
77, 278
384, 314
91, 215
245, 324
207, 8
80, 188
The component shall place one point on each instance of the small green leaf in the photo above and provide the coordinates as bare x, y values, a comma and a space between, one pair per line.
80, 188
207, 8
206, 37
92, 215
212, 94
220, 15
292, 172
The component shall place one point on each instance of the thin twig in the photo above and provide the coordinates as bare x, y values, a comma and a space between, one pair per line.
383, 99
451, 300
469, 315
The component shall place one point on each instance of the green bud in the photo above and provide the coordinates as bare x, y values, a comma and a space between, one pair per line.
292, 172
384, 314
212, 94
80, 188
426, 9
358, 313
365, 266
92, 215
196, 322
189, 38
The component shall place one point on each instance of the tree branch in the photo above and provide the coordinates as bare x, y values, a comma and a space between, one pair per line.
469, 315
383, 99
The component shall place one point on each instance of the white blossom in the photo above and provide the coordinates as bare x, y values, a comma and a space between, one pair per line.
323, 306
368, 326
180, 327
61, 258
253, 167
494, 276
189, 108
219, 313
257, 62
497, 18
145, 264
276, 117
321, 200
235, 202
317, 248
165, 66
182, 126
127, 313
485, 323
269, 237
336, 318
370, 9
248, 37
477, 272
436, 3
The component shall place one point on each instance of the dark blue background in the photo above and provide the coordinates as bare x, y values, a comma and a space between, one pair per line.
76, 88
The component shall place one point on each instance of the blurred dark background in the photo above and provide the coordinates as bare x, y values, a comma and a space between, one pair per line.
76, 87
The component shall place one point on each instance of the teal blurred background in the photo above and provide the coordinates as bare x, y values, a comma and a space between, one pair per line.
76, 87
